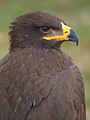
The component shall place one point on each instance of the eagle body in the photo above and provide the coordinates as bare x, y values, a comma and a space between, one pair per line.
40, 82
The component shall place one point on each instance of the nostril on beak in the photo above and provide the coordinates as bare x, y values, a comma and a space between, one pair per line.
66, 31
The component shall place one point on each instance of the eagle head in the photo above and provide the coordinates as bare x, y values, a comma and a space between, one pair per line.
40, 28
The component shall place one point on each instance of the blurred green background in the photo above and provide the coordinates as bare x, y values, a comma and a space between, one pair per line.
76, 13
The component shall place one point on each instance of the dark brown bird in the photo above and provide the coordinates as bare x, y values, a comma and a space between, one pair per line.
37, 80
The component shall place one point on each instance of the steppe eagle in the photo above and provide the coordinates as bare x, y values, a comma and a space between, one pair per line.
38, 81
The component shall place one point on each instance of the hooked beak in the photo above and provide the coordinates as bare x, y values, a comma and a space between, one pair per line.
68, 34
73, 36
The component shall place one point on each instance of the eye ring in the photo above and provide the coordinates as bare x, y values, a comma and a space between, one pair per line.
44, 29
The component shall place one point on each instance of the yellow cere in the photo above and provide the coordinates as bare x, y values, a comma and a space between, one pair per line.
66, 32
66, 29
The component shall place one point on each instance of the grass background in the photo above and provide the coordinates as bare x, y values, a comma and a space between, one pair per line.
76, 13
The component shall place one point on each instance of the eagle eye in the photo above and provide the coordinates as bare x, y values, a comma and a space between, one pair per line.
44, 29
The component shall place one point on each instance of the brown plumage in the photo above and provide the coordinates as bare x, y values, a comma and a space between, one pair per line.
37, 80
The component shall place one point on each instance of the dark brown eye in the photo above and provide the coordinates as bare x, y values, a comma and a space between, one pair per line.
44, 29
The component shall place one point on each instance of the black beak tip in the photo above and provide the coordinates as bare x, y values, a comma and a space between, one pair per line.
77, 43
73, 37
